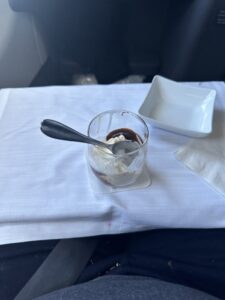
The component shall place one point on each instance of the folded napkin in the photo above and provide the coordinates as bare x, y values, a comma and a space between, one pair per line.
206, 156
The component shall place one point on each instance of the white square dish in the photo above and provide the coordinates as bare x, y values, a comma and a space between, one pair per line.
179, 108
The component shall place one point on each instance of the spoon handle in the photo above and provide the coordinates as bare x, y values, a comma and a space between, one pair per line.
60, 131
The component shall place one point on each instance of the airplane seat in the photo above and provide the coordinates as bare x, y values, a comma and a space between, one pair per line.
194, 46
22, 52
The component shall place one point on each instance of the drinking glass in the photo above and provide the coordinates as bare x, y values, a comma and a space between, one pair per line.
123, 169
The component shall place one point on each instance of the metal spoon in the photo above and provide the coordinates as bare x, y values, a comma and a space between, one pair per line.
60, 131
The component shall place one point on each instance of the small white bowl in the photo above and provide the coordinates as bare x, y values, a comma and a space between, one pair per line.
179, 108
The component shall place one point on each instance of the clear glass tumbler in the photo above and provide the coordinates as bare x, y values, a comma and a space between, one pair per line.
112, 126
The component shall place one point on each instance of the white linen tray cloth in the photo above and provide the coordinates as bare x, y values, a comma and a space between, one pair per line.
44, 191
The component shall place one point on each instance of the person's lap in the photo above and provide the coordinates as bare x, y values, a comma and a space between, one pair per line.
122, 287
194, 258
191, 257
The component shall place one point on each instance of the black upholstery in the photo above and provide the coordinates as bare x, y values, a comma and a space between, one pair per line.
182, 40
194, 49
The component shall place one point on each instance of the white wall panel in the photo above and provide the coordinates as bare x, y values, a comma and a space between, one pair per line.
21, 50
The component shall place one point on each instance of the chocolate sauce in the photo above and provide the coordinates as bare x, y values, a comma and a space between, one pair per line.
127, 133
103, 177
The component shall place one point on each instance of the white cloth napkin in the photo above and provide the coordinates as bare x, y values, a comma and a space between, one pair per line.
44, 190
206, 156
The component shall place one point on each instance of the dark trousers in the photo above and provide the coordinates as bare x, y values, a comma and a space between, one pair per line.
194, 258
18, 262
